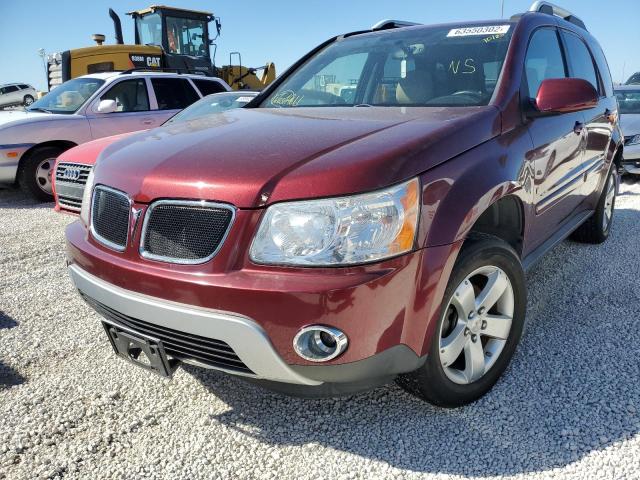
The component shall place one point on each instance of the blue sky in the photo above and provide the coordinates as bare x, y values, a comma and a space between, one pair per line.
281, 30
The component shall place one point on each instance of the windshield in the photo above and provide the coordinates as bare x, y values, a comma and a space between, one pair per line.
68, 97
628, 100
437, 66
215, 103
186, 36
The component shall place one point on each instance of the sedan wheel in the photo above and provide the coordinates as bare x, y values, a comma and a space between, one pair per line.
36, 171
44, 172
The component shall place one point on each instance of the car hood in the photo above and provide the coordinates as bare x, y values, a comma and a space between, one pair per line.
16, 117
630, 123
253, 157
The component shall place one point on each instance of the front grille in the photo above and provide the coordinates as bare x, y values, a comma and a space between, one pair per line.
185, 232
71, 179
181, 345
110, 217
70, 203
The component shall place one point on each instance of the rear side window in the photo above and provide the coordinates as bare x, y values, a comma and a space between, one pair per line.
10, 89
130, 96
208, 87
579, 59
603, 67
173, 93
543, 60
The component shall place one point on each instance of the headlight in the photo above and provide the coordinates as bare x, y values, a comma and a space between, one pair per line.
634, 140
339, 231
86, 199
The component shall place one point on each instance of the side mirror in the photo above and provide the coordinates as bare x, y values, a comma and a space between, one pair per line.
565, 95
107, 106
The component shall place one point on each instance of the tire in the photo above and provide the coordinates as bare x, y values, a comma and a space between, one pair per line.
28, 100
449, 386
598, 226
34, 170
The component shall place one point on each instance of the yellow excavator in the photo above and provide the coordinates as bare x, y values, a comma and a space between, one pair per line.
166, 38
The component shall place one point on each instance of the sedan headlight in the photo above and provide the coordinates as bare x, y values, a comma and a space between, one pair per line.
86, 199
633, 140
339, 231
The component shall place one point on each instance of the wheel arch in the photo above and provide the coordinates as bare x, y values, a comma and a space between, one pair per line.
482, 190
503, 219
501, 211
63, 144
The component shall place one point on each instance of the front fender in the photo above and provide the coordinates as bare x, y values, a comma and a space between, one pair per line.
456, 193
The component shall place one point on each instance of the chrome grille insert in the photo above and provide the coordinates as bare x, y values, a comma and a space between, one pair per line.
71, 179
110, 210
185, 232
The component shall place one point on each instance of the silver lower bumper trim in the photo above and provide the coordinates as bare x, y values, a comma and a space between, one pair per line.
249, 341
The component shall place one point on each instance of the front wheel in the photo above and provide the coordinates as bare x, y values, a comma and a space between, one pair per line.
36, 172
27, 100
480, 325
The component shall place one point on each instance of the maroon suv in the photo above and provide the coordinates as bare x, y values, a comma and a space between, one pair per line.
369, 216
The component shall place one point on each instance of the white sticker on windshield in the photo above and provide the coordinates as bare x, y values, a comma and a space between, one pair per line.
481, 30
244, 99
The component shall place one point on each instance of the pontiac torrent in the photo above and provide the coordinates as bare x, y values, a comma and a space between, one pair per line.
367, 217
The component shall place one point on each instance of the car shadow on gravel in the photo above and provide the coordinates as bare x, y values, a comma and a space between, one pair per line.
6, 321
12, 198
8, 376
494, 436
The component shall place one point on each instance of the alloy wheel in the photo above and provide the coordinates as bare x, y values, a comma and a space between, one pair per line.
608, 203
477, 324
44, 173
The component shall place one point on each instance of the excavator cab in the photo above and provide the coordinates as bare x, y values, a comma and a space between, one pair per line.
182, 34
165, 38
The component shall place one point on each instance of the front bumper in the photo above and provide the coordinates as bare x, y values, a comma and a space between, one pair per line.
10, 156
247, 339
387, 310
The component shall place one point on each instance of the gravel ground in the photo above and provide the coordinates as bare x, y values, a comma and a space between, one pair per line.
568, 407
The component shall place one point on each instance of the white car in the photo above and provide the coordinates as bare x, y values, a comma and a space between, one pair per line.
17, 94
85, 108
629, 104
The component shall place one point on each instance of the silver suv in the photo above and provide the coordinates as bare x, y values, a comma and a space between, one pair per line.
17, 94
86, 108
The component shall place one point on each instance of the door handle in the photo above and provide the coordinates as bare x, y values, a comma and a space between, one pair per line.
578, 127
147, 122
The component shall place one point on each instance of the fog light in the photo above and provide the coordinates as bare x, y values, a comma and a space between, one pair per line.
318, 343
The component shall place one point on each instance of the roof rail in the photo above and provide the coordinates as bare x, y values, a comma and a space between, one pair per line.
552, 9
388, 24
179, 71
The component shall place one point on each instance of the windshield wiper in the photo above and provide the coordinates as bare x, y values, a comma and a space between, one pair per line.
38, 109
